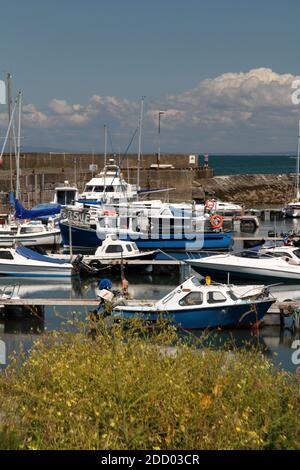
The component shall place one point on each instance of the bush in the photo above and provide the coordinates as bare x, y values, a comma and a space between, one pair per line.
128, 390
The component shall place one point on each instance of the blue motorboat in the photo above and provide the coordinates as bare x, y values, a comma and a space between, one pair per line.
199, 304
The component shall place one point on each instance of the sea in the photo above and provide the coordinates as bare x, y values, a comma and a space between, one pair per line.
253, 164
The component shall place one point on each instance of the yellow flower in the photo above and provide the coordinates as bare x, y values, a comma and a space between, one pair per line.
206, 401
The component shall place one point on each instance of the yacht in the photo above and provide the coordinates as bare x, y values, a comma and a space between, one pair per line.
108, 186
163, 228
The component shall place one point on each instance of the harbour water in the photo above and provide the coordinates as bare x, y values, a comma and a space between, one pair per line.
254, 164
17, 331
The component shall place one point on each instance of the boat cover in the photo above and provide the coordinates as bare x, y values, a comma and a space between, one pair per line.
22, 213
30, 254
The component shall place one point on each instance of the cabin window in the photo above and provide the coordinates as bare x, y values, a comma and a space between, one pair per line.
279, 254
114, 249
30, 230
6, 255
232, 295
297, 253
193, 298
89, 188
98, 189
109, 189
129, 248
215, 297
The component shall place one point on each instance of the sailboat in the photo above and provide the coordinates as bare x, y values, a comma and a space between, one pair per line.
292, 209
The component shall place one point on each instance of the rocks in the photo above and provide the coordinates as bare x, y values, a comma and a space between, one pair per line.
251, 189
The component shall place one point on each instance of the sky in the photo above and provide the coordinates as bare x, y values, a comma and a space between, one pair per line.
221, 70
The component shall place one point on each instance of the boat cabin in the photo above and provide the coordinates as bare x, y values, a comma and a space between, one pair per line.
109, 186
113, 247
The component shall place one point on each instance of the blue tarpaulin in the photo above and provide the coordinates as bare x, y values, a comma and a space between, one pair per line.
22, 213
30, 254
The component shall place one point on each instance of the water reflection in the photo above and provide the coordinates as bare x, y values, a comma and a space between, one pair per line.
18, 330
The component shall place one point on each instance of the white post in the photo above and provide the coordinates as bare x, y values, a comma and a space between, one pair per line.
140, 146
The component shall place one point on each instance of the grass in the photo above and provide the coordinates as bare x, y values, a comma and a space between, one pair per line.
128, 390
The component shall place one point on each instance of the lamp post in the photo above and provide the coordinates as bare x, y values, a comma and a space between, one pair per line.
158, 153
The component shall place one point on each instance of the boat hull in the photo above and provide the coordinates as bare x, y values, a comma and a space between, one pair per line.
21, 270
44, 239
243, 272
86, 238
235, 316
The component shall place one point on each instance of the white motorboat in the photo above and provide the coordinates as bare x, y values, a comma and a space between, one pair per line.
23, 262
113, 248
282, 263
108, 186
33, 233
214, 205
195, 304
292, 209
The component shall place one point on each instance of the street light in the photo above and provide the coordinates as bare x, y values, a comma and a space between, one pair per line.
158, 153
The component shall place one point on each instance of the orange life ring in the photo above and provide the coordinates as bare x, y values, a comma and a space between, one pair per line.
216, 221
107, 212
210, 204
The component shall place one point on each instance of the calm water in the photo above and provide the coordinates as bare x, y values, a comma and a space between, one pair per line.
15, 330
240, 164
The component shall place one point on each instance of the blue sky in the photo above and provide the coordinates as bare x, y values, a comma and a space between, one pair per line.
74, 50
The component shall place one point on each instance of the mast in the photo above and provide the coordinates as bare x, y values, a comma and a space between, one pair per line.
298, 164
140, 146
105, 155
18, 144
9, 110
158, 153
105, 144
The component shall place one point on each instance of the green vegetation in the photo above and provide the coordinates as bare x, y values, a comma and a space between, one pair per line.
127, 390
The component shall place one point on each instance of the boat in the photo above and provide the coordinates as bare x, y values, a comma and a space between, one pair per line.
276, 264
115, 249
33, 233
108, 186
214, 205
23, 262
195, 304
150, 229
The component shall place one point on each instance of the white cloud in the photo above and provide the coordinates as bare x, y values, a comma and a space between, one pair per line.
227, 104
